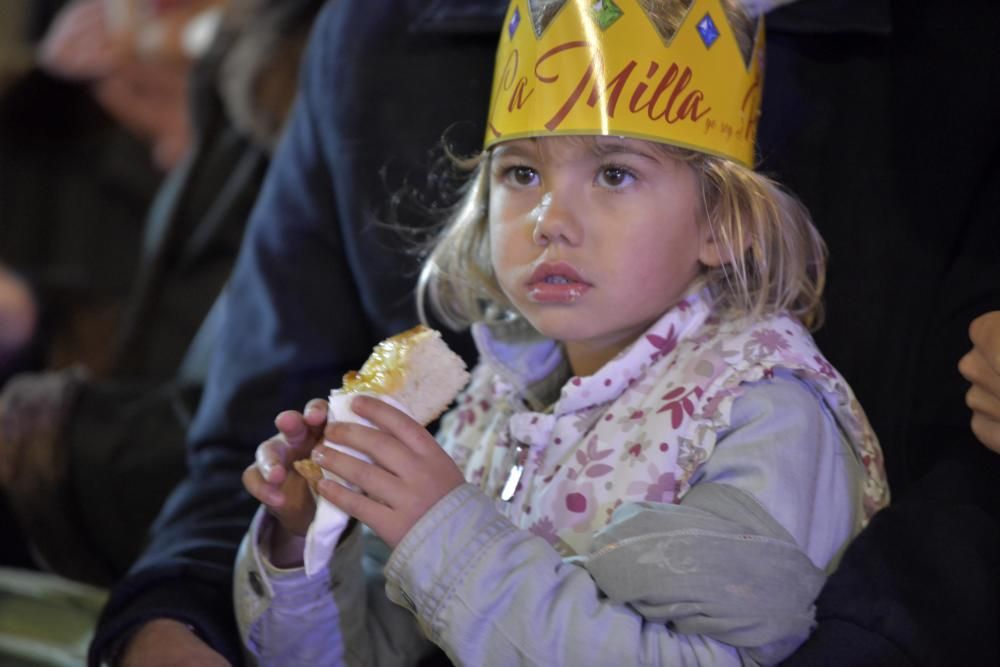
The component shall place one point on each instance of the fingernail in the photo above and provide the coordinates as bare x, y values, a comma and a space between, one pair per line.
265, 470
318, 455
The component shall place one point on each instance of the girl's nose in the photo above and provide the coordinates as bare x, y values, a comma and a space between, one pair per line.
555, 220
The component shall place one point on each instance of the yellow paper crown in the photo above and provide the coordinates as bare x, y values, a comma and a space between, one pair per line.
602, 67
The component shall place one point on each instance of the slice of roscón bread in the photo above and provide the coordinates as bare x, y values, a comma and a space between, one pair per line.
416, 368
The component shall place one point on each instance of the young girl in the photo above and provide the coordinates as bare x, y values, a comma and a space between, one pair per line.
652, 463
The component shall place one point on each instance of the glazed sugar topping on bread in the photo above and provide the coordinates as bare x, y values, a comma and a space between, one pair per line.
416, 368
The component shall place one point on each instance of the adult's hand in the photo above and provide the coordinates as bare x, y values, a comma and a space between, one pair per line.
150, 99
146, 95
981, 367
168, 643
78, 45
18, 314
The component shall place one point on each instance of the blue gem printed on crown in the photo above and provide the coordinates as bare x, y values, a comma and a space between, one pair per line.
709, 33
515, 21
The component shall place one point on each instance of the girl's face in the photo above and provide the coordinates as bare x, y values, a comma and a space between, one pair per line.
593, 239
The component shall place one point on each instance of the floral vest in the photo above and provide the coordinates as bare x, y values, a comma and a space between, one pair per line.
639, 428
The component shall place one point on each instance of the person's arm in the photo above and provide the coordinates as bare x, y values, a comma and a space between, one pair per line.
318, 282
981, 367
728, 574
284, 340
340, 615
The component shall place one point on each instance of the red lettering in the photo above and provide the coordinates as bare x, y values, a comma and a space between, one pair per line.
574, 96
518, 98
665, 82
689, 107
615, 86
633, 104
504, 82
671, 99
751, 99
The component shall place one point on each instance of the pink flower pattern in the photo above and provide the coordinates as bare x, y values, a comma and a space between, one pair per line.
640, 428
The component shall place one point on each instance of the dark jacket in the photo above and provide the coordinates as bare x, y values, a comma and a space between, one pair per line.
882, 117
319, 280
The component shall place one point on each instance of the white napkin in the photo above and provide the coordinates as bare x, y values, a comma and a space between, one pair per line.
330, 521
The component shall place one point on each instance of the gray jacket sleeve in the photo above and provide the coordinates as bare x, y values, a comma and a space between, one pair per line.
340, 616
715, 580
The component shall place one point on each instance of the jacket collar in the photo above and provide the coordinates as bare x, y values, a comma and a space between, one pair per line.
537, 370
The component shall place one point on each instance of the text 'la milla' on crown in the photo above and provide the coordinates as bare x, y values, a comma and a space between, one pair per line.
605, 67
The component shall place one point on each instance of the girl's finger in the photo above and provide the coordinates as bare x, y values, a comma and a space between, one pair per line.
373, 480
271, 458
374, 514
257, 486
396, 422
379, 446
315, 412
303, 428
292, 425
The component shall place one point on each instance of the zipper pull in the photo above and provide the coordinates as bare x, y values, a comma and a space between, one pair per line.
516, 471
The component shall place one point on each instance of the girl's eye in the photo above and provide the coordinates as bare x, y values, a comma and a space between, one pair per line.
615, 177
521, 175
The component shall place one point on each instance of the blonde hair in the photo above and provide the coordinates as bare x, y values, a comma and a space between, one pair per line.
773, 257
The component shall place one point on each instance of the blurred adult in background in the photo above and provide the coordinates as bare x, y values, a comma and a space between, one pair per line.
15, 52
81, 485
85, 135
901, 187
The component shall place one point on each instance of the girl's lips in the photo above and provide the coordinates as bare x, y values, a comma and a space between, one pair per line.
556, 282
557, 270
556, 292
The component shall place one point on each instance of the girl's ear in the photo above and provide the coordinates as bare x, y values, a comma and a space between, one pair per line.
719, 247
711, 254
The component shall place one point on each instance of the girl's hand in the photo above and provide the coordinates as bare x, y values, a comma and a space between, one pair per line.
981, 367
409, 475
273, 481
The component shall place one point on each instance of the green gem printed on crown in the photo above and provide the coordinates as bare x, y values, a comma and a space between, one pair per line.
606, 12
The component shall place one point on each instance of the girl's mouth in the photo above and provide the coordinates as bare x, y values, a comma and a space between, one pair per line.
556, 283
